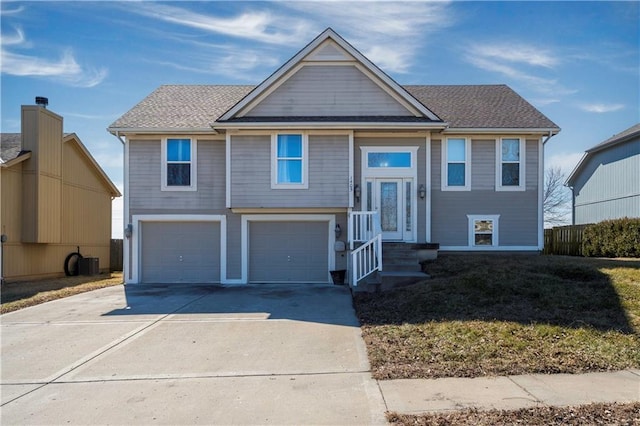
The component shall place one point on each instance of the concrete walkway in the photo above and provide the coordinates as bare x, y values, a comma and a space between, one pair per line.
270, 354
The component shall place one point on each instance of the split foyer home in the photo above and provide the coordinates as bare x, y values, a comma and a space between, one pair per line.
605, 183
54, 198
316, 167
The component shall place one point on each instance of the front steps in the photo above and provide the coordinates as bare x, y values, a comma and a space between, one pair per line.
400, 267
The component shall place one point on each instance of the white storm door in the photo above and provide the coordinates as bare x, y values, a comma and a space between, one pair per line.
388, 202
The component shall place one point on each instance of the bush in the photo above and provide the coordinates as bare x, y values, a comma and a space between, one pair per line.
612, 238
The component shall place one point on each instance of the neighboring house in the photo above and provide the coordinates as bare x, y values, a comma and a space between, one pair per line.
270, 183
55, 197
606, 182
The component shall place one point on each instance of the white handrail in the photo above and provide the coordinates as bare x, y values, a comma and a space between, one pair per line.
364, 227
366, 259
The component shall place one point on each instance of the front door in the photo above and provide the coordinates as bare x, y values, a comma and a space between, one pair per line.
388, 201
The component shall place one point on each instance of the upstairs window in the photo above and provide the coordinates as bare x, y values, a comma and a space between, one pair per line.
510, 167
456, 171
289, 164
178, 164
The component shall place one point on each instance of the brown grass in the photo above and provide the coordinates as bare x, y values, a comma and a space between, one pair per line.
20, 295
591, 414
503, 315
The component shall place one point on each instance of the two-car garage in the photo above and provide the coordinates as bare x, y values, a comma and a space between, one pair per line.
270, 249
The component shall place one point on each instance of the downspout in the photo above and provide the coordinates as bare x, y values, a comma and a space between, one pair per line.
125, 216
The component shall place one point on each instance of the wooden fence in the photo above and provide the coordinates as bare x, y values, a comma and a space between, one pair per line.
564, 240
116, 255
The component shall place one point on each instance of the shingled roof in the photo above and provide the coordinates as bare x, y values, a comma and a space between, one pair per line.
188, 107
10, 146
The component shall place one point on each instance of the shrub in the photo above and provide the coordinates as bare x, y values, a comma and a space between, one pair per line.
612, 238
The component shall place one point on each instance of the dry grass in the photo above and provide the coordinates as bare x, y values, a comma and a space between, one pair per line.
503, 315
20, 295
592, 414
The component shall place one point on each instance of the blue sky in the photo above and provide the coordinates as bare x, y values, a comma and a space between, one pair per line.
578, 62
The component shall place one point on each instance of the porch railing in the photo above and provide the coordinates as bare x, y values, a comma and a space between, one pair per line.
365, 227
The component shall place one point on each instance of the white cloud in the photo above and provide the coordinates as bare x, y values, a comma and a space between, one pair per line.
515, 61
601, 108
567, 161
388, 33
258, 26
516, 53
64, 69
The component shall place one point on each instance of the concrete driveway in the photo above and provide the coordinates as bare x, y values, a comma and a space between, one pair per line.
259, 354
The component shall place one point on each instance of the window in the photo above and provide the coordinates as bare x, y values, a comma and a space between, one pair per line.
510, 165
289, 166
388, 159
483, 230
456, 172
178, 164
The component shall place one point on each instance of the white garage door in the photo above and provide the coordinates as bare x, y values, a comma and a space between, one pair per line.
180, 252
288, 252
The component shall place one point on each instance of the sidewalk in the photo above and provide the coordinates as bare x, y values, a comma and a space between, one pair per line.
411, 396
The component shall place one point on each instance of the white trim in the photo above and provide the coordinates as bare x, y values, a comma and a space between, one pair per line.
522, 186
541, 194
136, 238
495, 218
244, 235
502, 130
126, 242
401, 173
411, 171
428, 188
274, 162
351, 170
489, 248
227, 162
335, 125
193, 162
444, 183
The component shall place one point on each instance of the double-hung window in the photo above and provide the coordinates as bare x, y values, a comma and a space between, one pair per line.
289, 161
483, 230
178, 164
456, 167
510, 165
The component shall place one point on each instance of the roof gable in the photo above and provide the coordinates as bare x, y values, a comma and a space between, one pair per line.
94, 166
329, 50
627, 135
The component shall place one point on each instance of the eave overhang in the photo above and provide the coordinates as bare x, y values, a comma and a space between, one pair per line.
24, 155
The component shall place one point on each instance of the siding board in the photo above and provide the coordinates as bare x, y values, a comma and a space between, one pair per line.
326, 90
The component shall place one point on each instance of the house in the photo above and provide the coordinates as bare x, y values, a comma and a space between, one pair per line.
605, 183
316, 166
55, 198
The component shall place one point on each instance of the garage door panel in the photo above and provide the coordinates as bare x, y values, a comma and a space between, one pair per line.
288, 251
180, 252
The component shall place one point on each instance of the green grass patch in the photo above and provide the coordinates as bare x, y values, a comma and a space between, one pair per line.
508, 314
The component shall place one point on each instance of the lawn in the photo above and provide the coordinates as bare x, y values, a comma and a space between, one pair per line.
483, 315
22, 294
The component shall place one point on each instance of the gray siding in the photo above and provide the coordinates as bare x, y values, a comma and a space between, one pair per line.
328, 174
518, 210
326, 90
360, 142
608, 186
145, 182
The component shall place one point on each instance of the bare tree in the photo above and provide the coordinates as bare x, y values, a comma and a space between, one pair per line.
556, 201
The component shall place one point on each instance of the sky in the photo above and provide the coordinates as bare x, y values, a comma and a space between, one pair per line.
577, 62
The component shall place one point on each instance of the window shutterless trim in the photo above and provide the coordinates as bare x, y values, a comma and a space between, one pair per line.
193, 166
494, 218
444, 169
522, 184
305, 162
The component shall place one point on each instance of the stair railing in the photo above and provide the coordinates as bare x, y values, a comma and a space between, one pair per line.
367, 258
